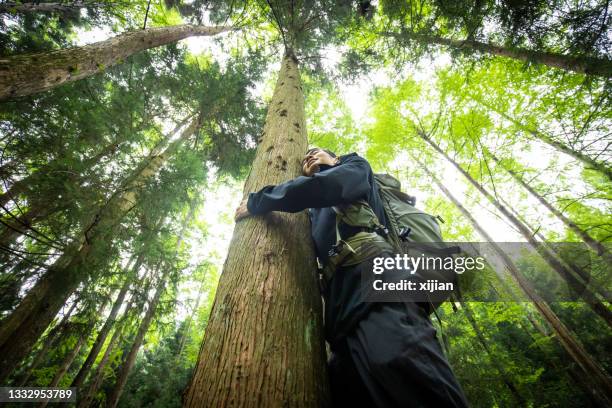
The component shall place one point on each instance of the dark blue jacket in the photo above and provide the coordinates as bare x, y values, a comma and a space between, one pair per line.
350, 180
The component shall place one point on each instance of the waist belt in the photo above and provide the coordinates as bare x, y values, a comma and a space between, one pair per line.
354, 250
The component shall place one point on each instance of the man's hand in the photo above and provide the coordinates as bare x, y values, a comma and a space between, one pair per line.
242, 211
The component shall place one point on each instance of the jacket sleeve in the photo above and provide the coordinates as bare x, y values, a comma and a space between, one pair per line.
341, 184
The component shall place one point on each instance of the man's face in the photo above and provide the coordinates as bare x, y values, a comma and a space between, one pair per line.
314, 159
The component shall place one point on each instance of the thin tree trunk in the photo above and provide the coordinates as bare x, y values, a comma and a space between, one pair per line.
499, 367
587, 161
28, 321
263, 344
22, 75
580, 289
130, 359
104, 331
37, 7
85, 396
98, 376
589, 240
572, 346
190, 319
581, 65
67, 362
586, 279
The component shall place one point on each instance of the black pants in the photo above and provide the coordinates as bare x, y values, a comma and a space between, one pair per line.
393, 359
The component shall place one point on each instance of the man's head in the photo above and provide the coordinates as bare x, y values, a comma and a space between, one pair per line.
315, 158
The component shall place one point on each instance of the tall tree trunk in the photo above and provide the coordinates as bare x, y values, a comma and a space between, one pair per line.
579, 271
263, 344
85, 395
578, 287
68, 360
104, 331
589, 240
572, 346
587, 161
96, 380
14, 227
37, 7
130, 359
581, 65
53, 338
185, 333
22, 75
499, 367
28, 321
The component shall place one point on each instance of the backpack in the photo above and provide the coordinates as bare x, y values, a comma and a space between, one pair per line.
409, 231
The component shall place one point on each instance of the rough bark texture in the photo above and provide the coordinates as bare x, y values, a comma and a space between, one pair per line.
582, 65
22, 75
578, 287
130, 359
599, 378
36, 7
562, 147
21, 329
263, 345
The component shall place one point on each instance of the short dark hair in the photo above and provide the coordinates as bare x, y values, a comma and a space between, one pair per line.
332, 154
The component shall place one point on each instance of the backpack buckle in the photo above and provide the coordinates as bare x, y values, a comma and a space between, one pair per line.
336, 249
404, 232
382, 231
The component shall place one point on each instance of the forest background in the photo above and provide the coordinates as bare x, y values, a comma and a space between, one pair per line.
121, 163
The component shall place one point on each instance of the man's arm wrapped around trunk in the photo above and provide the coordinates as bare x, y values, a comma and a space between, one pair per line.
341, 184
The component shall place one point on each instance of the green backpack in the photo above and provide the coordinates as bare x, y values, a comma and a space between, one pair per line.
409, 231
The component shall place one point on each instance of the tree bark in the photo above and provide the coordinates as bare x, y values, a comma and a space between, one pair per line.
578, 287
50, 341
263, 344
582, 65
36, 7
96, 380
22, 75
103, 333
39, 210
587, 161
572, 346
68, 360
27, 322
85, 396
130, 359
